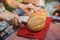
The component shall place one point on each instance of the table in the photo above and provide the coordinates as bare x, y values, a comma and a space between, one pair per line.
52, 34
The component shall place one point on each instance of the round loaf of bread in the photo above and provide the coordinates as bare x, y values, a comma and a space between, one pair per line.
36, 21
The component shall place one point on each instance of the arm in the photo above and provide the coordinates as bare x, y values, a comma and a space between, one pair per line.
7, 15
14, 4
11, 18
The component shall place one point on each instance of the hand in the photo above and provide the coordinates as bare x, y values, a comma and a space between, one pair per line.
15, 22
30, 9
27, 6
7, 16
12, 19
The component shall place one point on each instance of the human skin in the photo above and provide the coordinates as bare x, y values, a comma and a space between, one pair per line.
15, 4
35, 2
11, 18
57, 14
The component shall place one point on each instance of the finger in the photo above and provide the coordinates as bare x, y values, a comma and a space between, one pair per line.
11, 22
27, 12
19, 23
38, 10
15, 22
31, 12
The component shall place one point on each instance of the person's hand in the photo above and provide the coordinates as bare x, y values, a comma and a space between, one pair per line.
15, 22
12, 19
30, 9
